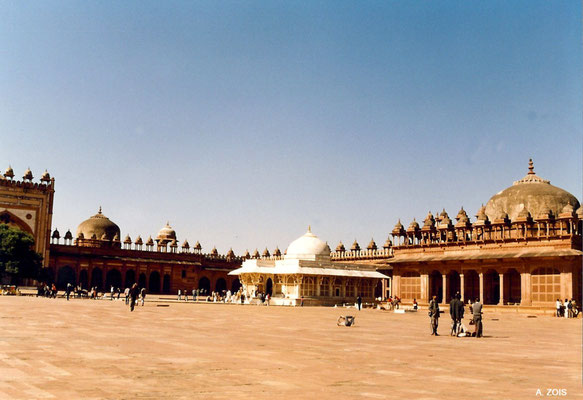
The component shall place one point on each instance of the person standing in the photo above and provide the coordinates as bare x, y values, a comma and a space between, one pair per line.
111, 293
68, 290
134, 291
359, 303
434, 314
456, 310
126, 293
143, 295
477, 312
179, 294
558, 305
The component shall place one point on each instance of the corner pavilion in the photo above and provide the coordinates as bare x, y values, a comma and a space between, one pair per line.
306, 271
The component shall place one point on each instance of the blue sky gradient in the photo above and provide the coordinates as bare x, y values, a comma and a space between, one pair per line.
243, 122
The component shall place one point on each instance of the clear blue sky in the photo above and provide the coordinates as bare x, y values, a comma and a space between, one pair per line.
243, 122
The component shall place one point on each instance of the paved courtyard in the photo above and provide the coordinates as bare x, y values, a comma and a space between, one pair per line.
86, 349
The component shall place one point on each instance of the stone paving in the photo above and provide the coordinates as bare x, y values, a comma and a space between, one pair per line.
97, 349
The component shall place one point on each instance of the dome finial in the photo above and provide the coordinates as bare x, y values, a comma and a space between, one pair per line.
99, 212
310, 228
530, 167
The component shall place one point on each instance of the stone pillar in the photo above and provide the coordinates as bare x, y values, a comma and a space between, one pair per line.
462, 286
425, 288
501, 301
396, 286
444, 289
481, 275
525, 293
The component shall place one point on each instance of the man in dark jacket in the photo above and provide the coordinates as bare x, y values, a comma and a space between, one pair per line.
134, 292
434, 314
456, 311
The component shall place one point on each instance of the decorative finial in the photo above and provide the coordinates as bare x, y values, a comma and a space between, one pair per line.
99, 212
530, 167
310, 228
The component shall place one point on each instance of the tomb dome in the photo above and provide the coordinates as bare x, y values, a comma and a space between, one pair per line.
100, 226
531, 193
308, 247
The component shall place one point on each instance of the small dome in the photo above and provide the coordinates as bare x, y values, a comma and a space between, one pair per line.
197, 246
166, 234
265, 253
127, 240
388, 244
99, 226
230, 253
150, 241
580, 212
481, 217
186, 245
116, 237
139, 240
256, 254
532, 193
340, 247
214, 251
27, 175
277, 252
355, 246
413, 226
246, 255
429, 221
68, 235
9, 173
398, 230
371, 245
46, 177
56, 234
307, 247
80, 236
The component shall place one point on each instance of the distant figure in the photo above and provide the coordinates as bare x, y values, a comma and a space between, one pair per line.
143, 295
126, 293
185, 295
477, 311
456, 311
359, 303
559, 305
133, 296
415, 304
111, 292
68, 290
179, 294
302, 301
566, 309
193, 295
434, 314
267, 298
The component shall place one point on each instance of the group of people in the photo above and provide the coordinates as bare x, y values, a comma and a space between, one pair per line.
46, 290
393, 302
456, 312
568, 309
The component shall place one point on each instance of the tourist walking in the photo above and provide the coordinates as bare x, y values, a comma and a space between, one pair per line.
126, 293
133, 296
359, 303
434, 315
477, 312
143, 295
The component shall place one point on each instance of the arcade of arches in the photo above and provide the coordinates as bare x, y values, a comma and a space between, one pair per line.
527, 283
87, 270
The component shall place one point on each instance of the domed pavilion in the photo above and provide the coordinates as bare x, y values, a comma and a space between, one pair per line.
306, 273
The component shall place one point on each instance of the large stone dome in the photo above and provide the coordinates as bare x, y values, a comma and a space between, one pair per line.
532, 193
308, 247
100, 226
